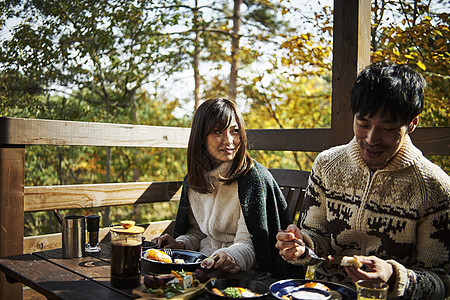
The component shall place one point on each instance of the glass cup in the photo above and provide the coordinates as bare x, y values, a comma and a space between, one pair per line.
126, 252
367, 290
311, 271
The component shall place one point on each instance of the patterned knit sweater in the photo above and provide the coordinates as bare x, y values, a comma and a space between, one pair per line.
399, 213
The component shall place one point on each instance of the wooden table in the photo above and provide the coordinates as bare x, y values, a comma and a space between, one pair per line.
76, 278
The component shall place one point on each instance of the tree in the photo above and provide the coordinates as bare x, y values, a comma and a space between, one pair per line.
105, 47
418, 33
410, 32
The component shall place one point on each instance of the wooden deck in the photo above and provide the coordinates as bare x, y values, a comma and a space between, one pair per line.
351, 53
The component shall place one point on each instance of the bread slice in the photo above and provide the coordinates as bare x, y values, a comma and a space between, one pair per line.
350, 261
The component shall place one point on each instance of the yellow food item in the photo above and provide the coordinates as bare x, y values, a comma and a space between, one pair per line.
348, 261
217, 292
317, 285
158, 255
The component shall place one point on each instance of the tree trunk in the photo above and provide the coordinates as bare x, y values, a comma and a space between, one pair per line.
235, 51
196, 57
107, 211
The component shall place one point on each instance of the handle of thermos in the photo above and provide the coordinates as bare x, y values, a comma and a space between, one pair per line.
58, 216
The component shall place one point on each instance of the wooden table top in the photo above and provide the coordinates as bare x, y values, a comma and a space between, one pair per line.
75, 278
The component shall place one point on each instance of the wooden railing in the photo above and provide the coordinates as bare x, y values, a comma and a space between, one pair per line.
16, 199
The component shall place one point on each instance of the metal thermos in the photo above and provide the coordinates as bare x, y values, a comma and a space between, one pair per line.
73, 237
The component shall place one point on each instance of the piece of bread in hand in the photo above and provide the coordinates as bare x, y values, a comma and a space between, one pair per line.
351, 261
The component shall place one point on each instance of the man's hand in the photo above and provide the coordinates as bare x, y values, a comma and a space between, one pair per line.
379, 270
290, 250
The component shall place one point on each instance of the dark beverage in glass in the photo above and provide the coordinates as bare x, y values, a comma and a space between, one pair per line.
125, 264
126, 242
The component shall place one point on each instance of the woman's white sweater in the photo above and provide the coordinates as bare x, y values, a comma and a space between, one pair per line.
217, 223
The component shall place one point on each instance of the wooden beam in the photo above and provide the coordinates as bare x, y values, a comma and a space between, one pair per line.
11, 212
351, 53
313, 140
45, 132
40, 198
50, 241
432, 141
52, 132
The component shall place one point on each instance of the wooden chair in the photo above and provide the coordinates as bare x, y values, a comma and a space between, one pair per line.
293, 184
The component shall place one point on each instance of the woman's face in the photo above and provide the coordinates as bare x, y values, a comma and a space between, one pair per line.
223, 145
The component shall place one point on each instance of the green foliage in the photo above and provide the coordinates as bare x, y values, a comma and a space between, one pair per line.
109, 61
420, 39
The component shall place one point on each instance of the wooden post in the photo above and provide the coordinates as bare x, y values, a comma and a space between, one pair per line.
11, 211
351, 53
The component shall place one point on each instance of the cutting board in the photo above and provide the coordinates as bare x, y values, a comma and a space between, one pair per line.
188, 293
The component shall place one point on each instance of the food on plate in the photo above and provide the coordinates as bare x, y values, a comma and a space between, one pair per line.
235, 292
316, 285
207, 263
310, 295
156, 281
158, 255
349, 261
179, 261
169, 285
232, 292
217, 292
311, 290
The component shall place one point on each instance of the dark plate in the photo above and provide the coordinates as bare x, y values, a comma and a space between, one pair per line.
192, 261
287, 287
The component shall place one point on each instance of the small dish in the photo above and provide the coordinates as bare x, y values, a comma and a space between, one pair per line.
289, 286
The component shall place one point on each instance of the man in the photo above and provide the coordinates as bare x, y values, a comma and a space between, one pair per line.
378, 197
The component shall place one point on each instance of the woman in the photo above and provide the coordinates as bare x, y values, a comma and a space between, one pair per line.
231, 208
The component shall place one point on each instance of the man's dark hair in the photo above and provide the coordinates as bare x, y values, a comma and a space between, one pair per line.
397, 90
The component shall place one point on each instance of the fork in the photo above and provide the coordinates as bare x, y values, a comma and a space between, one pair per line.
311, 252
168, 251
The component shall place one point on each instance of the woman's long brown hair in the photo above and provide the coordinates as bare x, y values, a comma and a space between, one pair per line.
212, 115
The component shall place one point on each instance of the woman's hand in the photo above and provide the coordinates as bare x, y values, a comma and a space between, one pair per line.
224, 262
379, 270
167, 241
290, 250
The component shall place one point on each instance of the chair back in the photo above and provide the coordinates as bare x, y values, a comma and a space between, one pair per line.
293, 185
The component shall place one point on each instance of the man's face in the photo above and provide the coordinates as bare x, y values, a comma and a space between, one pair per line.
380, 138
